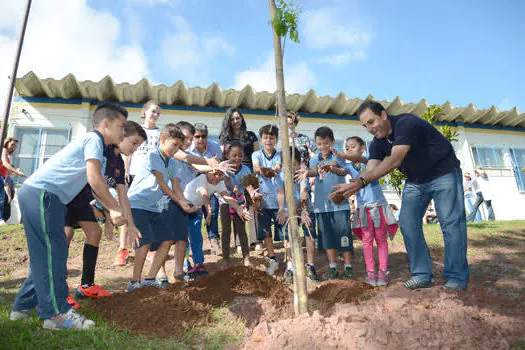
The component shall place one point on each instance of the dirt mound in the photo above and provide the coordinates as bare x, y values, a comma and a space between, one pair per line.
340, 292
165, 312
395, 318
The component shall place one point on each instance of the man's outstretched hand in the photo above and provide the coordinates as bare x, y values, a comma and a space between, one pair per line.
346, 189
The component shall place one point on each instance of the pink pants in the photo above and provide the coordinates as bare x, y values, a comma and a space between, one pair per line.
380, 235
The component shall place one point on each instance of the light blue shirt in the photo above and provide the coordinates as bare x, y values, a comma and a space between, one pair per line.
145, 192
185, 173
236, 178
268, 187
212, 149
371, 193
64, 174
297, 192
322, 204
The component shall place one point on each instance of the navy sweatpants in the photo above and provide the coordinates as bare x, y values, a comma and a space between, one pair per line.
43, 216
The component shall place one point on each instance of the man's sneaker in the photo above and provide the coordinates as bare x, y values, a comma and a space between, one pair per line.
288, 275
163, 282
122, 257
16, 315
215, 247
74, 304
94, 291
349, 273
311, 273
371, 278
453, 286
382, 279
415, 285
332, 274
133, 285
69, 320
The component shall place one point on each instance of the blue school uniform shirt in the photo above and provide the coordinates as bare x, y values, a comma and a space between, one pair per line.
212, 149
430, 156
185, 173
268, 187
145, 192
371, 193
297, 192
64, 174
322, 204
236, 178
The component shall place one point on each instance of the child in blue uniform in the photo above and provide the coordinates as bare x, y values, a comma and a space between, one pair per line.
151, 198
334, 231
43, 199
272, 190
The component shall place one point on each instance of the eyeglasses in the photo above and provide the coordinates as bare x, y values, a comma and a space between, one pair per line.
200, 136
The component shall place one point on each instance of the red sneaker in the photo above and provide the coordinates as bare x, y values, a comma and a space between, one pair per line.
122, 257
93, 292
74, 304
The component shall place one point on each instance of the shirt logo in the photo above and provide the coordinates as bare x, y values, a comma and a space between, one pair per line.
117, 172
169, 173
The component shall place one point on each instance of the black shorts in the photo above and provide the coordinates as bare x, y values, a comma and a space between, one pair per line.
79, 208
334, 231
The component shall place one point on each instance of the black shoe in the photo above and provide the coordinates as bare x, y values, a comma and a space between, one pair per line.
415, 285
311, 273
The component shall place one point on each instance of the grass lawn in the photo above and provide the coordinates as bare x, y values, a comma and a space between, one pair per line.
495, 254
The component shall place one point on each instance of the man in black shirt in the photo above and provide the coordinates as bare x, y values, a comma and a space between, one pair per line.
427, 158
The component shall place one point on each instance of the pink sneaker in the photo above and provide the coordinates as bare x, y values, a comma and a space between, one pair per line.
382, 280
371, 278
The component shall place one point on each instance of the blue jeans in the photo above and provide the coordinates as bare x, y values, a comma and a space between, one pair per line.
488, 204
44, 217
2, 196
213, 227
195, 223
447, 192
469, 199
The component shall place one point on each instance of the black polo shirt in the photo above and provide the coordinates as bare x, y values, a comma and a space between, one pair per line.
430, 156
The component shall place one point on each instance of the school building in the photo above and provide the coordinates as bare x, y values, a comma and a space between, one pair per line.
47, 114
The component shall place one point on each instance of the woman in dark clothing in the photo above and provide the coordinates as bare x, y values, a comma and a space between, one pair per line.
234, 128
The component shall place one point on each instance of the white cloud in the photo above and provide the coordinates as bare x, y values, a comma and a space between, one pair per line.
299, 78
170, 3
80, 40
188, 54
328, 30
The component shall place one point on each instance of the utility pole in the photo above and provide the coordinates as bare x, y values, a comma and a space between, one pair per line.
12, 78
300, 292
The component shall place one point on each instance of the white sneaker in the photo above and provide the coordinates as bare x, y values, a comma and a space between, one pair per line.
2, 223
69, 320
274, 266
20, 314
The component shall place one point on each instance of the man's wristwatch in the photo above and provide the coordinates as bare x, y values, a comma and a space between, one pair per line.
363, 181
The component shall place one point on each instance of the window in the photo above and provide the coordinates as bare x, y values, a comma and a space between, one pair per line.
36, 146
517, 156
490, 156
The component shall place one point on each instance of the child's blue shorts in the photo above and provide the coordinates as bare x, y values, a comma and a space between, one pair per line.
334, 230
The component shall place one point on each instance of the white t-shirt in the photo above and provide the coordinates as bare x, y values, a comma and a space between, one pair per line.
192, 194
482, 184
139, 156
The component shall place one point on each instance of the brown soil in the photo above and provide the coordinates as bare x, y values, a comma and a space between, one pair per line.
250, 180
268, 172
182, 306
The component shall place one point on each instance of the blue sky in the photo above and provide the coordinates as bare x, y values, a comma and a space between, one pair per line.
458, 51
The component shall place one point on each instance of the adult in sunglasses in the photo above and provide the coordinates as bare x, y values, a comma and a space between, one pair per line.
204, 147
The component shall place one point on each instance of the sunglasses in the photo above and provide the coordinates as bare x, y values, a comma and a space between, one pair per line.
200, 136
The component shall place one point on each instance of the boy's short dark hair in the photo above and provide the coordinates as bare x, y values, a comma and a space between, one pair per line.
108, 111
269, 129
359, 140
132, 128
185, 125
171, 131
324, 132
296, 154
374, 106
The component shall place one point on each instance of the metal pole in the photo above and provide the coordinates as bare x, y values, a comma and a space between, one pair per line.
12, 78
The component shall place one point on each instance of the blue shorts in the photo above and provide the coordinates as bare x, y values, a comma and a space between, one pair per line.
79, 208
178, 222
264, 225
335, 231
154, 227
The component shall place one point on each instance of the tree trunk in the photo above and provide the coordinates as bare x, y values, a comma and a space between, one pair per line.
300, 292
